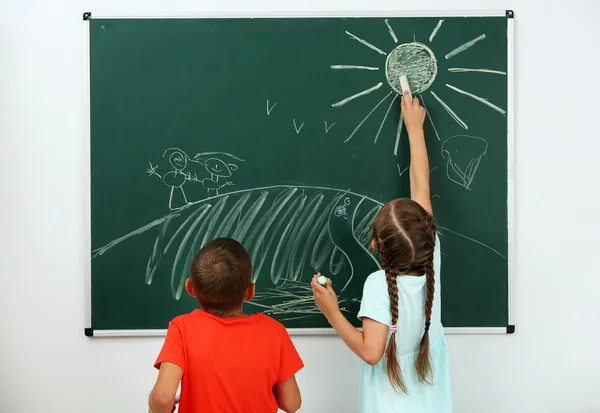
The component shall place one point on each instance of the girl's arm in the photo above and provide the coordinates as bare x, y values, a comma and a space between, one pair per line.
368, 344
414, 116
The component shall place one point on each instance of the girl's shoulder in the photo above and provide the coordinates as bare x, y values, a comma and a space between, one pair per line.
376, 278
376, 285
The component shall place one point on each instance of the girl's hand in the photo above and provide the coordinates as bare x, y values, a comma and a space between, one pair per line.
325, 298
413, 114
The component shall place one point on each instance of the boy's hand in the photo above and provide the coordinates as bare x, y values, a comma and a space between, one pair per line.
325, 297
413, 114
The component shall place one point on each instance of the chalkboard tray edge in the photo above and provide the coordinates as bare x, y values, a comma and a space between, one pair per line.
294, 331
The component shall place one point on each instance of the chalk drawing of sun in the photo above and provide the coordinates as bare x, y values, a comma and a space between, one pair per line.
419, 64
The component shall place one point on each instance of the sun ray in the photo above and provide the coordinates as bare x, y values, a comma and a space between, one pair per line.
359, 94
435, 30
477, 98
367, 117
391, 31
429, 116
465, 69
369, 45
450, 112
384, 118
341, 67
465, 46
398, 133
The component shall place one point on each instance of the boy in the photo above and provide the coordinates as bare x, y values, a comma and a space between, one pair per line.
226, 361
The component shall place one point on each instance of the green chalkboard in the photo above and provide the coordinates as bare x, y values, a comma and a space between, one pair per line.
283, 134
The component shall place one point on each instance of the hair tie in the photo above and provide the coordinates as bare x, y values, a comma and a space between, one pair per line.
394, 328
427, 324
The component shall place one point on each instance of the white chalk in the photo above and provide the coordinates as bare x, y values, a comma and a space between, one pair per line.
404, 85
322, 280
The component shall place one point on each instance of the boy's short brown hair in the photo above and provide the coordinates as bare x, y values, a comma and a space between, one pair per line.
221, 273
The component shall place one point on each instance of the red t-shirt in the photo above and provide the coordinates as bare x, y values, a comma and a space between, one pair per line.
229, 364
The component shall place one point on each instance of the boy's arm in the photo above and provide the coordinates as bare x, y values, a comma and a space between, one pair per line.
170, 362
162, 397
288, 396
414, 116
286, 389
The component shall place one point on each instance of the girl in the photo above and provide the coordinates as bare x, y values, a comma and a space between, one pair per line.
400, 307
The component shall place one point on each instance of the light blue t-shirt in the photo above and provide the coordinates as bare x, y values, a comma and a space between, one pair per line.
376, 394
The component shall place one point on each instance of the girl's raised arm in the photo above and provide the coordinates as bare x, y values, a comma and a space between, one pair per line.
414, 116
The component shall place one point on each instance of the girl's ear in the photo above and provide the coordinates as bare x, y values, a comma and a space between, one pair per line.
374, 244
233, 166
189, 287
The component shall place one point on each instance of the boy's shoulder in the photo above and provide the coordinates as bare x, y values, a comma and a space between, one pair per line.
266, 321
258, 320
268, 326
182, 318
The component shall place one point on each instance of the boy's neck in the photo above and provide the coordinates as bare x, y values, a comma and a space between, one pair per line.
238, 313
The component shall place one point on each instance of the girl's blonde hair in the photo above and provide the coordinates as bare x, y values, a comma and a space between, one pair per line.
405, 235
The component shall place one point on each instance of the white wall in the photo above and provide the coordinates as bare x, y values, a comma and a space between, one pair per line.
551, 364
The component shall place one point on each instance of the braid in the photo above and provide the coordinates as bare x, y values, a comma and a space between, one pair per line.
383, 256
431, 227
424, 368
393, 292
393, 369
